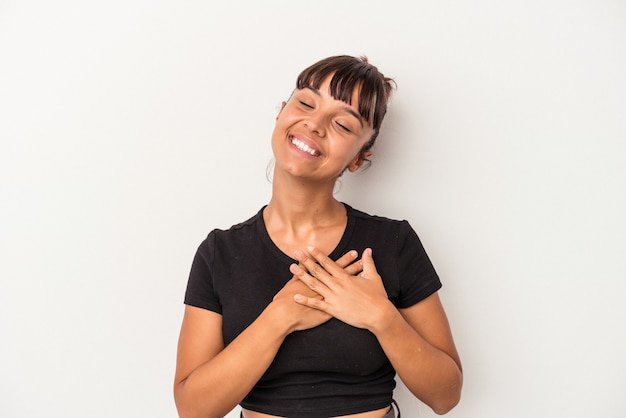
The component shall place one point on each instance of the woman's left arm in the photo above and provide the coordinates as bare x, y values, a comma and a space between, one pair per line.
417, 340
419, 344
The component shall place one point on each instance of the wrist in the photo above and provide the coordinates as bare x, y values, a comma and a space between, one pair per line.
278, 318
385, 319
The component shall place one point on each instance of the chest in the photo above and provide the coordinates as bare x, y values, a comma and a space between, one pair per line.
288, 241
245, 287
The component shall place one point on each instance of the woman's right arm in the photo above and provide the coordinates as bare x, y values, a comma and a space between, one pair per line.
212, 379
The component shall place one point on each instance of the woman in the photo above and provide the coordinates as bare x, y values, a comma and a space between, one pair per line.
310, 308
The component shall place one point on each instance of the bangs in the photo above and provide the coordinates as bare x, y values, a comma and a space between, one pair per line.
350, 74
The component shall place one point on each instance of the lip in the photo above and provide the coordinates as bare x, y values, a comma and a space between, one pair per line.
306, 142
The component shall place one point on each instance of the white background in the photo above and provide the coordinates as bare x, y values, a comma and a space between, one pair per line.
129, 129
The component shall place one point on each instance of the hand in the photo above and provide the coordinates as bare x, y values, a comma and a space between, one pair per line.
358, 300
304, 317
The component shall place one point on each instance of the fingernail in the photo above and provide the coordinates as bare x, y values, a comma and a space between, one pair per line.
310, 248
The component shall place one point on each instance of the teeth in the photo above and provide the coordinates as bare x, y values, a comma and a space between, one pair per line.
303, 147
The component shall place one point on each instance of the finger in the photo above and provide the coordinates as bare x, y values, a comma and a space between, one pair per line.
349, 263
354, 268
316, 270
312, 282
326, 263
310, 302
347, 259
369, 268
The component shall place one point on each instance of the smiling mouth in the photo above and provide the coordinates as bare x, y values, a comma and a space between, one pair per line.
304, 147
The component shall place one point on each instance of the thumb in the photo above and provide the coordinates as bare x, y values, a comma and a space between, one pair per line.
369, 268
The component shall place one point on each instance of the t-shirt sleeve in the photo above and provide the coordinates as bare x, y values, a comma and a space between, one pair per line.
418, 278
200, 289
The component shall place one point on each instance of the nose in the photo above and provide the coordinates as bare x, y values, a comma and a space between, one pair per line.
316, 123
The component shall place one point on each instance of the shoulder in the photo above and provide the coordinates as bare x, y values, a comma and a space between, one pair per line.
233, 235
239, 228
380, 224
356, 213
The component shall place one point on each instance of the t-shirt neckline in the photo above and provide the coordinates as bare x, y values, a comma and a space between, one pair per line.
337, 252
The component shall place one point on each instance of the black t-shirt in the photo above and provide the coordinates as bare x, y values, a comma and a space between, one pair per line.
333, 369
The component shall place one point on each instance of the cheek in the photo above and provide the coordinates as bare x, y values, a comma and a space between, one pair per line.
360, 144
283, 120
351, 154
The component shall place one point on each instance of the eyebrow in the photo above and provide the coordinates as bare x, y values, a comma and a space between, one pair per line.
346, 108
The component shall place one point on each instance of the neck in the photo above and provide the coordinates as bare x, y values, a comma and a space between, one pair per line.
302, 204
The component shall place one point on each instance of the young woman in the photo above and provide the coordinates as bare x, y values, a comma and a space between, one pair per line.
310, 308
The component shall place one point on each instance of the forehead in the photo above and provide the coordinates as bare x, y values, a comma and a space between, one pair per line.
339, 86
324, 88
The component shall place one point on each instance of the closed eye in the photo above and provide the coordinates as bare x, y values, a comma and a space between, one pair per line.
343, 127
305, 104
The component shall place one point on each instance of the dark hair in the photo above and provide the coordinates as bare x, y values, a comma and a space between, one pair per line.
350, 73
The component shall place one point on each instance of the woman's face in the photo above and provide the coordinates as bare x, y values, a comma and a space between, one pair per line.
317, 136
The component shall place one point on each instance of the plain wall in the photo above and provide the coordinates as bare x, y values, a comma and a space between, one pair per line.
130, 129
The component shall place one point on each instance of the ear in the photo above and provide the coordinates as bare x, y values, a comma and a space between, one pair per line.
282, 106
359, 161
